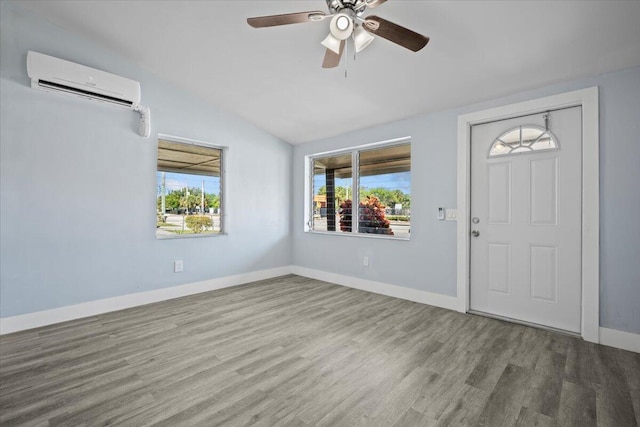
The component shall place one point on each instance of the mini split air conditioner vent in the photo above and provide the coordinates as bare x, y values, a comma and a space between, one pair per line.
75, 91
57, 75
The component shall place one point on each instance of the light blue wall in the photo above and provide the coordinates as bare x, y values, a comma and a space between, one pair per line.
77, 190
428, 261
78, 185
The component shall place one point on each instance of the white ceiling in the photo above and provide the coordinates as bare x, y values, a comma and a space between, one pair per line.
479, 50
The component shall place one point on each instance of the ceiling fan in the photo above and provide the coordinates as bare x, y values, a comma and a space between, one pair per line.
348, 21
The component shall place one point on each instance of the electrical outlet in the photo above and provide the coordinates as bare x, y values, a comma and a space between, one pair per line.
365, 261
178, 266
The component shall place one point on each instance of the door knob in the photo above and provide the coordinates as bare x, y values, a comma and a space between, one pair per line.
475, 233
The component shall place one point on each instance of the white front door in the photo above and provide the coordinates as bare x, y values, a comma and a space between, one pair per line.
526, 218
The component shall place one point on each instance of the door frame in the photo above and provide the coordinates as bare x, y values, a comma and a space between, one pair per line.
588, 100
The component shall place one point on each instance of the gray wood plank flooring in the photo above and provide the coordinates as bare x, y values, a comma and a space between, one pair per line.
293, 351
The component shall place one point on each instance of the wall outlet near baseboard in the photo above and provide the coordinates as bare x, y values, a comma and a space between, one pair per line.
178, 266
365, 261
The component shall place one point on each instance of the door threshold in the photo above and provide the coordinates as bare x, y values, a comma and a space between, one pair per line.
524, 323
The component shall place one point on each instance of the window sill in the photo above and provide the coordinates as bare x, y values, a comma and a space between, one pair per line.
359, 235
189, 236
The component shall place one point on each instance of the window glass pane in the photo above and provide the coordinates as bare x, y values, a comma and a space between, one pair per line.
332, 186
189, 192
545, 142
523, 139
530, 135
385, 191
512, 137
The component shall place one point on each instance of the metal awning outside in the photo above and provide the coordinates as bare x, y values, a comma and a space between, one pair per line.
390, 159
188, 158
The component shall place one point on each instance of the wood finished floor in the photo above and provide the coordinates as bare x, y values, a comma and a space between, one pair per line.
293, 351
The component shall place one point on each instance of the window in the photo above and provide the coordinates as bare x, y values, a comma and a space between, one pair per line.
378, 177
523, 139
332, 187
189, 198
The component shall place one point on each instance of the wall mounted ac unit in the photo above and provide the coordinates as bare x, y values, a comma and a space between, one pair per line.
57, 75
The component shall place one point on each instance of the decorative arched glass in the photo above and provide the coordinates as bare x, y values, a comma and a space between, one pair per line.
523, 139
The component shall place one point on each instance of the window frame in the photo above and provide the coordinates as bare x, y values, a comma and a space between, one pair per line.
355, 187
223, 184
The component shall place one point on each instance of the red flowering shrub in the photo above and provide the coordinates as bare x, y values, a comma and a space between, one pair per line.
371, 218
345, 215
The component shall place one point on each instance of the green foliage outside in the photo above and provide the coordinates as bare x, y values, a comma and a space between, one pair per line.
340, 193
198, 223
386, 197
188, 200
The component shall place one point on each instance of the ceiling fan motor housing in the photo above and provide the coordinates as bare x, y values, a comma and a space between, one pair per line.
355, 6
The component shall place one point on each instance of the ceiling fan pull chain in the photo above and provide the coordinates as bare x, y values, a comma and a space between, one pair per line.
346, 57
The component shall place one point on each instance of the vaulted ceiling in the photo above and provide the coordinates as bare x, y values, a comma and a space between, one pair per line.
271, 77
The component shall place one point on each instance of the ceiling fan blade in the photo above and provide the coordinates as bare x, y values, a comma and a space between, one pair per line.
332, 59
288, 18
395, 33
374, 3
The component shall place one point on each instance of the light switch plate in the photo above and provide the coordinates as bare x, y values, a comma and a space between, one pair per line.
451, 215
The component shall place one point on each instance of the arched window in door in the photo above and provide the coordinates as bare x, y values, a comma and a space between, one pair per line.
523, 139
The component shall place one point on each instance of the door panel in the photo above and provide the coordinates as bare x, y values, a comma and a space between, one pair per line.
544, 191
499, 267
525, 260
500, 193
544, 273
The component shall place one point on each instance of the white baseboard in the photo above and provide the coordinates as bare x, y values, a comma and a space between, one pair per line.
416, 295
611, 337
620, 339
92, 308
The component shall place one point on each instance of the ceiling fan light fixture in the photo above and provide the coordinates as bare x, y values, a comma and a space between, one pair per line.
361, 39
342, 23
341, 26
332, 43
